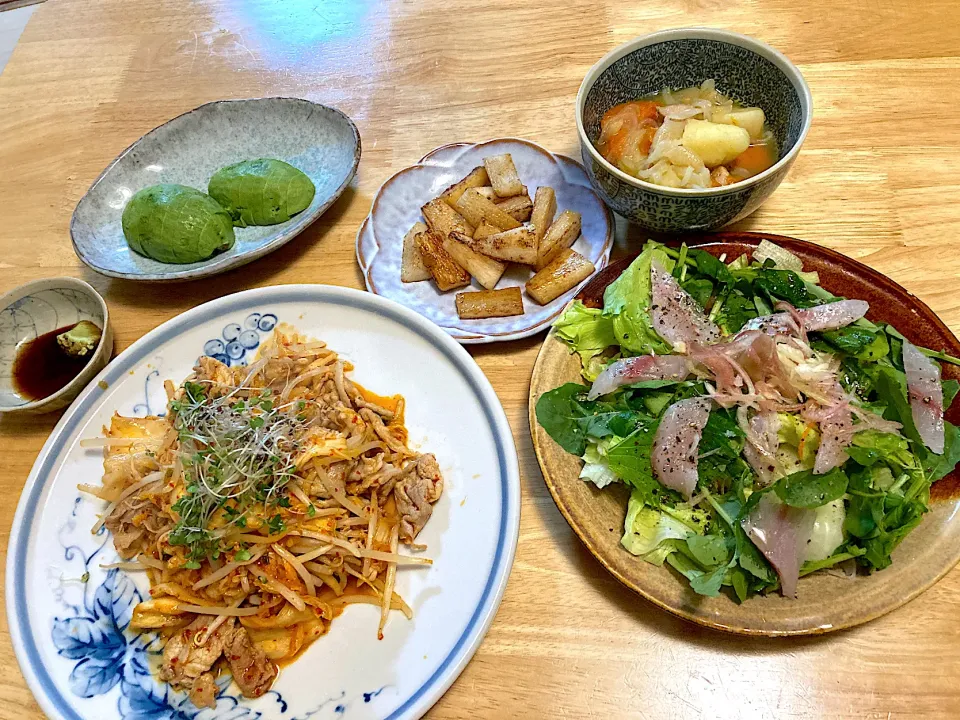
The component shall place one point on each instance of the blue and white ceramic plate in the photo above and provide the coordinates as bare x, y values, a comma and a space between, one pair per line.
397, 207
69, 617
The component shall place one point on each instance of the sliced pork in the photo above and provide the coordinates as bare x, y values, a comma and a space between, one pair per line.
676, 316
926, 396
252, 670
676, 443
186, 664
781, 533
635, 369
415, 494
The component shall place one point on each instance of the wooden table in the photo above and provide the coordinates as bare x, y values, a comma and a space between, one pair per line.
877, 179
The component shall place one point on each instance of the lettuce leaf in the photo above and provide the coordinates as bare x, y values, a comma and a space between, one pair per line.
596, 469
627, 303
655, 534
586, 330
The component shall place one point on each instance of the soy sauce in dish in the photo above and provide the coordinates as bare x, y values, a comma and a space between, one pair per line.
41, 367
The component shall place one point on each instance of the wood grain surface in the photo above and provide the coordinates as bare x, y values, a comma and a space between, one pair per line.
877, 179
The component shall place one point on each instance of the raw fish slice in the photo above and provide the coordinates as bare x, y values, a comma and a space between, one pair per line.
676, 316
926, 396
634, 369
762, 443
781, 532
675, 444
832, 316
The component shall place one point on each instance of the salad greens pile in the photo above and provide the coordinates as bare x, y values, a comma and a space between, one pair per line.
864, 508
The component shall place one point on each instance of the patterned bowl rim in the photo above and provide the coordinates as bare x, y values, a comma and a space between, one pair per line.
55, 283
221, 263
779, 60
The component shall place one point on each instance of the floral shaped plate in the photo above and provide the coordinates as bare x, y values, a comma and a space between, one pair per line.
69, 616
397, 207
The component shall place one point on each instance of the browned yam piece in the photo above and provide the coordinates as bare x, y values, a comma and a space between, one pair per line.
518, 207
412, 268
485, 269
544, 208
498, 200
490, 303
484, 229
445, 270
476, 208
476, 178
503, 175
488, 193
561, 235
518, 245
443, 219
562, 273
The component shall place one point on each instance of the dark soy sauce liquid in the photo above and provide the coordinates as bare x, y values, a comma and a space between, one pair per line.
41, 367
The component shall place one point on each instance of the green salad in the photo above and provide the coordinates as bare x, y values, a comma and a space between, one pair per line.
765, 428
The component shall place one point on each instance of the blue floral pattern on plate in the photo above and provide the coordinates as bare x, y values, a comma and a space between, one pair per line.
95, 633
95, 636
237, 340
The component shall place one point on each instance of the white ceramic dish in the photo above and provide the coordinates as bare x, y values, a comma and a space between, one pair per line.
68, 633
397, 207
40, 307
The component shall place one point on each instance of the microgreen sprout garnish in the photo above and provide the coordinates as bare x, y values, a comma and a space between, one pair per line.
238, 451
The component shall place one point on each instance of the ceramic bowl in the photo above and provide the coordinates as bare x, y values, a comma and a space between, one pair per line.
319, 140
748, 70
825, 602
40, 307
396, 208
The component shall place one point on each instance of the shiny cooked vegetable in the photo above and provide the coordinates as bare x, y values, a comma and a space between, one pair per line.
261, 192
176, 224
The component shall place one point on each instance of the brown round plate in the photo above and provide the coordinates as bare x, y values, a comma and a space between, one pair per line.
825, 602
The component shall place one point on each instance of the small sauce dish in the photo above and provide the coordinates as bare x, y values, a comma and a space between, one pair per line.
36, 374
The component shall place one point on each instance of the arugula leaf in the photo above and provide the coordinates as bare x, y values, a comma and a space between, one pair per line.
804, 489
863, 343
709, 583
734, 313
586, 330
879, 519
700, 289
738, 579
950, 388
856, 377
722, 435
785, 285
710, 266
937, 466
569, 418
630, 460
653, 384
560, 412
812, 567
